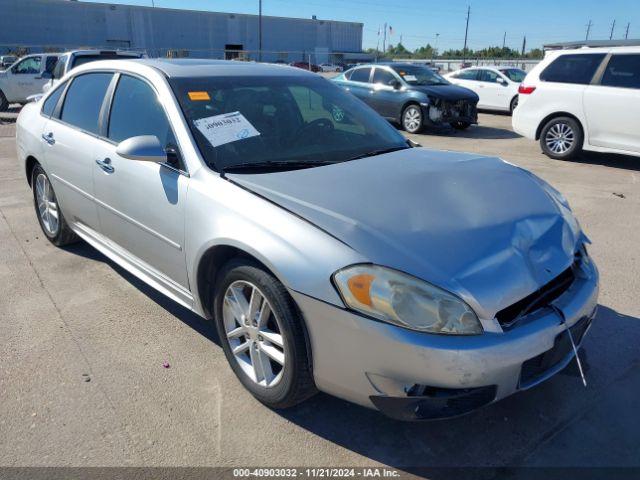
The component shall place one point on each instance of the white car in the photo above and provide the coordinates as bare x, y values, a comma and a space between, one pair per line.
497, 87
75, 58
582, 99
330, 67
26, 77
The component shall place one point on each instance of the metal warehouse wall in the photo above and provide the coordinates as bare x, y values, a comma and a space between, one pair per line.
41, 24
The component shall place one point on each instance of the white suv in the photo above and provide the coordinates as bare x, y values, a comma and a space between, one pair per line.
587, 98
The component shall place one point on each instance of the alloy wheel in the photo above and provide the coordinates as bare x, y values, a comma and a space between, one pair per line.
254, 333
412, 119
47, 205
559, 138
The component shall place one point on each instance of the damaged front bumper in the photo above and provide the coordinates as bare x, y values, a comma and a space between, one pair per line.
443, 112
411, 375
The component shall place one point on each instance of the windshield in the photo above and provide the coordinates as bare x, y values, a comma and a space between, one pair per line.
514, 74
281, 120
419, 75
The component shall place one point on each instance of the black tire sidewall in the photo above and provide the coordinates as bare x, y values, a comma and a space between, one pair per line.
513, 104
575, 149
421, 118
280, 395
4, 103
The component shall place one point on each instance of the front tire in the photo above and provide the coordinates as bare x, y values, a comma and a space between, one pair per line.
514, 104
50, 217
412, 119
262, 334
561, 138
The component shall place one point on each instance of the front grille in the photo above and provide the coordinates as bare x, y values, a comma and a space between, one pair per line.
542, 297
457, 109
536, 367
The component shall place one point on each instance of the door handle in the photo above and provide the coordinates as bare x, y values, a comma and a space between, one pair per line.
106, 165
49, 138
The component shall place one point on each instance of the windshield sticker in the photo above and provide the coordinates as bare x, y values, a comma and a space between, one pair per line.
225, 128
410, 78
199, 96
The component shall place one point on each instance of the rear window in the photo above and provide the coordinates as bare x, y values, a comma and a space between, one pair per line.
576, 68
623, 71
82, 59
360, 75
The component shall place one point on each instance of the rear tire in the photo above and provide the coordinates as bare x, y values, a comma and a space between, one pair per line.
52, 221
514, 104
561, 138
267, 351
4, 103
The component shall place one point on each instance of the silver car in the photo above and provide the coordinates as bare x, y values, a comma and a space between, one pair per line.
331, 254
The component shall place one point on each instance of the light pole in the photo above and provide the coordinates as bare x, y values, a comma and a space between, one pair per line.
259, 30
434, 50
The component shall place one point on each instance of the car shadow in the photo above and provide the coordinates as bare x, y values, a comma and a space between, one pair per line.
614, 160
503, 434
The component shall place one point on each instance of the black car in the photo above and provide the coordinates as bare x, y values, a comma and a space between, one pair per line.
413, 95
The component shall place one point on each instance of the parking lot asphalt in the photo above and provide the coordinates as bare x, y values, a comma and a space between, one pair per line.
83, 343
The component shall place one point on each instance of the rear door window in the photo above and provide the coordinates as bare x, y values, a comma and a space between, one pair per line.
467, 75
361, 75
573, 68
622, 71
84, 99
50, 103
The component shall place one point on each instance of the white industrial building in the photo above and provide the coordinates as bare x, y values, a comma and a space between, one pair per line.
39, 25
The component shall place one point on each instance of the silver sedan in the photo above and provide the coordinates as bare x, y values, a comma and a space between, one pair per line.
331, 253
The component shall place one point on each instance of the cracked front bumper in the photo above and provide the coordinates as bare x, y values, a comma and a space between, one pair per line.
379, 365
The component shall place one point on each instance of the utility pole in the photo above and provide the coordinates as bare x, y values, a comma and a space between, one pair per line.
626, 35
466, 32
613, 25
259, 30
524, 45
434, 50
589, 25
504, 40
384, 40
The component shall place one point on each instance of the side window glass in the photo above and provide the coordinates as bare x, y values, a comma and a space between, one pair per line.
361, 75
135, 111
347, 74
488, 76
58, 71
573, 68
51, 64
623, 71
52, 100
384, 77
468, 75
84, 99
28, 66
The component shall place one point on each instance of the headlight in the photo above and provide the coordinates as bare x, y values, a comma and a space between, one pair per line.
403, 300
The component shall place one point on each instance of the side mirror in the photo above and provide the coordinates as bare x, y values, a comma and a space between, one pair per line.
396, 85
47, 75
504, 83
145, 148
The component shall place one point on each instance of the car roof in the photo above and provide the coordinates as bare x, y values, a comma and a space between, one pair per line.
190, 68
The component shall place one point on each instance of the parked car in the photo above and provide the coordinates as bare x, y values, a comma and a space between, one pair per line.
584, 99
75, 58
306, 66
497, 87
6, 61
25, 78
329, 253
330, 67
412, 95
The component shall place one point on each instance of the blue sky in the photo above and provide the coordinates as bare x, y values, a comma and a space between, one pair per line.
419, 20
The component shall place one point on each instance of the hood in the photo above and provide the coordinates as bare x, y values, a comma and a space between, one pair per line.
447, 92
476, 226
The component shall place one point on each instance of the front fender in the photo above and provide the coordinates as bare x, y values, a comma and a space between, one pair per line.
299, 254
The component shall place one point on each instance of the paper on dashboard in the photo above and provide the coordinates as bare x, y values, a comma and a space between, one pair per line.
226, 128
